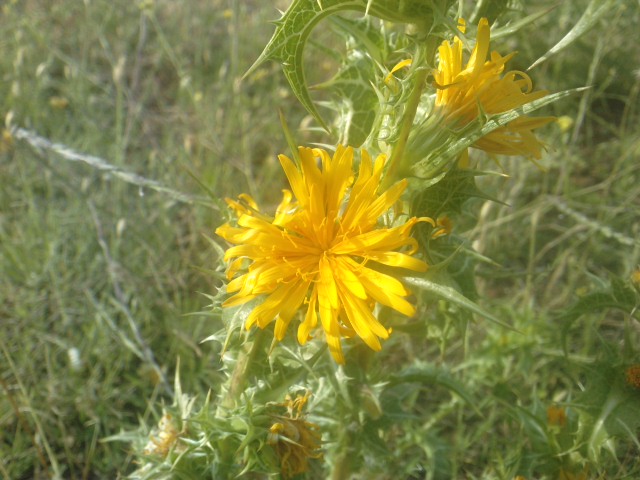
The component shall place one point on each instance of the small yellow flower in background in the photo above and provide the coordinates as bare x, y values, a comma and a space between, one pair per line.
565, 123
556, 416
565, 474
6, 141
58, 103
632, 376
294, 439
321, 252
482, 86
635, 278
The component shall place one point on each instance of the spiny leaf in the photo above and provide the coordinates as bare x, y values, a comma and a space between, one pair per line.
449, 194
490, 10
429, 374
592, 15
364, 35
611, 404
356, 98
619, 296
513, 27
293, 29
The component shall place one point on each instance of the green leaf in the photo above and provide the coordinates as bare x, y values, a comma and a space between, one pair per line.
364, 36
490, 9
513, 27
619, 296
449, 194
592, 15
454, 296
356, 99
293, 29
611, 405
426, 374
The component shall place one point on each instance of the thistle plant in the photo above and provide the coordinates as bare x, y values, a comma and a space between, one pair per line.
323, 295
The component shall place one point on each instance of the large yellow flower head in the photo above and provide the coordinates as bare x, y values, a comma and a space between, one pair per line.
321, 251
462, 93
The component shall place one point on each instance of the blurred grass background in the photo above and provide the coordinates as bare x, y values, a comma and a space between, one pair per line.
99, 277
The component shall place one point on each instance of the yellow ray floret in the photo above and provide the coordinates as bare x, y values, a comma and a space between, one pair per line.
320, 251
463, 93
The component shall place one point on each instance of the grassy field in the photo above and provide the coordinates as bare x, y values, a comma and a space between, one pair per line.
104, 258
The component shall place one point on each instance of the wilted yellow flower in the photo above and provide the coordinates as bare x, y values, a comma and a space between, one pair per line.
483, 87
632, 376
164, 438
322, 251
294, 439
444, 225
556, 416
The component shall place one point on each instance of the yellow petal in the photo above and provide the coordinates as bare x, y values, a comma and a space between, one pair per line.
310, 319
399, 65
481, 50
282, 299
396, 259
363, 321
333, 341
237, 300
346, 279
290, 307
386, 290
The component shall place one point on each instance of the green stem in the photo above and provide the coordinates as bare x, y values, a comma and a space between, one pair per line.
238, 380
406, 123
423, 60
342, 465
236, 386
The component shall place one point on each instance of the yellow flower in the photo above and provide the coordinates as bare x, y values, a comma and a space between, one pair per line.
322, 251
58, 103
566, 474
6, 141
482, 86
294, 439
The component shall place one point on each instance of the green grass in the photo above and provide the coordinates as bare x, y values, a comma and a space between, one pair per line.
99, 276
